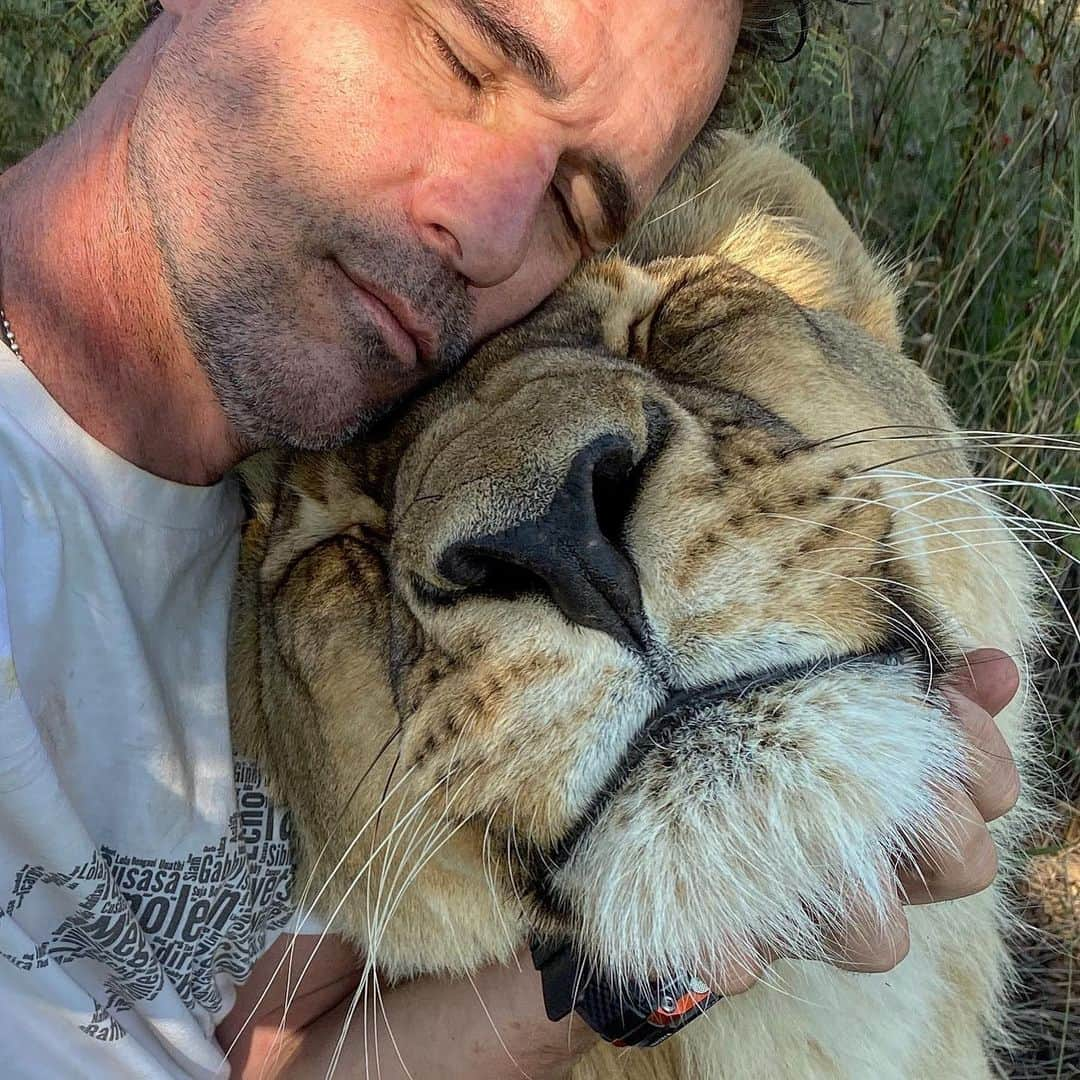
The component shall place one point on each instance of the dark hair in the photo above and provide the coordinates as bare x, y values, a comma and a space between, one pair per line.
778, 29
771, 30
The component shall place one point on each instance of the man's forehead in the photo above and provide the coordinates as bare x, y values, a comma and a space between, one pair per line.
649, 72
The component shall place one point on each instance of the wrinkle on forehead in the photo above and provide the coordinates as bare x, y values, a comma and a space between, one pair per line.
631, 74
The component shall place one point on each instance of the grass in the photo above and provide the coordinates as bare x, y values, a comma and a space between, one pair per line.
53, 55
950, 135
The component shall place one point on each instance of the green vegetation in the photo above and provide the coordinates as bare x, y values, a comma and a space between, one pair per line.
53, 55
950, 135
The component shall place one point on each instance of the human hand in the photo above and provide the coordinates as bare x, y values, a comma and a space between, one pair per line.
510, 1032
298, 1005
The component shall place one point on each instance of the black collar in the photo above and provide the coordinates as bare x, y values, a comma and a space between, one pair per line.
628, 1016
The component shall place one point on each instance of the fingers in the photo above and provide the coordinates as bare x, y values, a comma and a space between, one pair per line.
737, 971
872, 940
980, 690
967, 863
995, 784
989, 678
964, 865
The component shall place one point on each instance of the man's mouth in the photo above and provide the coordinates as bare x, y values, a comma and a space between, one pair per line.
412, 339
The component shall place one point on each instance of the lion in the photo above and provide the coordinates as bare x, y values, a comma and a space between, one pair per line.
631, 634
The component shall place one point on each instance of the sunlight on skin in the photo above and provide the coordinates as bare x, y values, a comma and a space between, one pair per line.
487, 195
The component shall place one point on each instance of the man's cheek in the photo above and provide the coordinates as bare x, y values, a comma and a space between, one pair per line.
496, 308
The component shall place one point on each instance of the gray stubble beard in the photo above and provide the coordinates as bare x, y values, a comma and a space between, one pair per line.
237, 305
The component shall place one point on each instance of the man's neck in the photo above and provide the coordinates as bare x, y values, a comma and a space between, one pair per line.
83, 285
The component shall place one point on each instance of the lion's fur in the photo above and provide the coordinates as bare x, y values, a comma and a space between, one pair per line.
747, 315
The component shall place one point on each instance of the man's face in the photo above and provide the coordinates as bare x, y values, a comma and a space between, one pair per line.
347, 193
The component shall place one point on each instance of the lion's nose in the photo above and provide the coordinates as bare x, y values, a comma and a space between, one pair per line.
573, 551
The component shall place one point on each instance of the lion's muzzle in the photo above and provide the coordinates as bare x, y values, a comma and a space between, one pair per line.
626, 1011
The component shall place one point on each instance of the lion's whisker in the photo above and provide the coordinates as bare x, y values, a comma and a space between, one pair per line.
487, 1012
400, 823
287, 957
397, 892
933, 451
378, 928
899, 508
917, 432
489, 877
344, 809
433, 843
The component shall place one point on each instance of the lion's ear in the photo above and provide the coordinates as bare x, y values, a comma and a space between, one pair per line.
748, 200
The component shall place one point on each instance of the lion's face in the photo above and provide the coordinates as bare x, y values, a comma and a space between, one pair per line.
657, 485
631, 633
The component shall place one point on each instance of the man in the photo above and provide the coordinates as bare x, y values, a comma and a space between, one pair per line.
275, 221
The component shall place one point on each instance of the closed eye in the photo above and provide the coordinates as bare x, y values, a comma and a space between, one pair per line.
476, 84
566, 211
454, 63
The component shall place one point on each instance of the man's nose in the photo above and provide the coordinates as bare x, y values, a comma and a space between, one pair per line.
573, 552
479, 208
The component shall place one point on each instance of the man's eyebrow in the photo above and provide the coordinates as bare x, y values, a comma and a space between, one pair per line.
518, 46
614, 193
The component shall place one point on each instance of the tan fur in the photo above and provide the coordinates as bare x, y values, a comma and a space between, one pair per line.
747, 314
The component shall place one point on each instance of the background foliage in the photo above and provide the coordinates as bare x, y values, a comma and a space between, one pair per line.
950, 136
949, 133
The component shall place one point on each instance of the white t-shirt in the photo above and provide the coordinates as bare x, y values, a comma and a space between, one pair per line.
142, 870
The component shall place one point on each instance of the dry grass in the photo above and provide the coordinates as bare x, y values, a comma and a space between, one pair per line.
950, 134
1045, 1014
